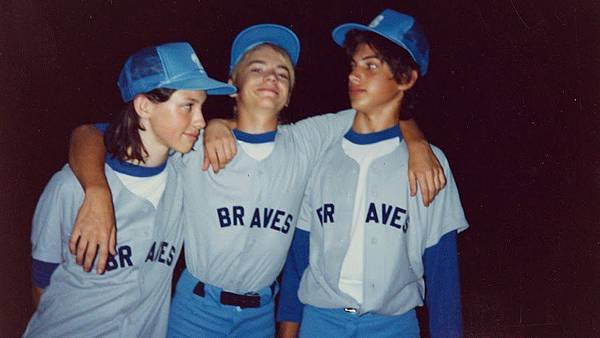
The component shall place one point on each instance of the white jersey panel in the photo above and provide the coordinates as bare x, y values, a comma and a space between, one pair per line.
351, 275
397, 230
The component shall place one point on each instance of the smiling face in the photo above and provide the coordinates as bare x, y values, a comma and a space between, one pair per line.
264, 78
175, 123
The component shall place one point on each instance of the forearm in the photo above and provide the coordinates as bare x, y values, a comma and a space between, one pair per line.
288, 330
94, 226
229, 123
411, 132
86, 157
37, 294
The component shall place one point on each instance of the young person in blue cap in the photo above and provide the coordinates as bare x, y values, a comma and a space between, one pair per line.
237, 240
364, 254
164, 88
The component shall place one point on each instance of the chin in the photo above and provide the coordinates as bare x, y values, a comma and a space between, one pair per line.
182, 148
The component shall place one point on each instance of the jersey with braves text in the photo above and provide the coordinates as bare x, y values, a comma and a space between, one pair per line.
396, 230
240, 221
131, 299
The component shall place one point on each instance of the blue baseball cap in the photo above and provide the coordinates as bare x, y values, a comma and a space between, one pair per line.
399, 28
172, 65
264, 33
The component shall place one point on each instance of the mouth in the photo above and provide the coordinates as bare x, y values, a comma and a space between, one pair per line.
193, 136
356, 91
268, 91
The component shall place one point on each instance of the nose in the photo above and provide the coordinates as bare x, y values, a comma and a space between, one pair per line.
270, 75
198, 119
354, 76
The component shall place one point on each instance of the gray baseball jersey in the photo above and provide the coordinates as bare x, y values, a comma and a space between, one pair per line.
397, 230
239, 223
131, 299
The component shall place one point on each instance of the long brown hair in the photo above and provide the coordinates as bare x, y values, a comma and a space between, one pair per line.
122, 138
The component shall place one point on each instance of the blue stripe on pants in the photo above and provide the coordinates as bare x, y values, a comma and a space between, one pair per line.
195, 316
337, 323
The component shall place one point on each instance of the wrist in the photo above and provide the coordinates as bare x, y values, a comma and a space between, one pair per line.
97, 189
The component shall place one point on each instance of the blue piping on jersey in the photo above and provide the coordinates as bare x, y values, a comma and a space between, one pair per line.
128, 168
375, 137
132, 169
41, 272
255, 138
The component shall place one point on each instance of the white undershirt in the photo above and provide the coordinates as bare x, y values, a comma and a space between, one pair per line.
352, 272
258, 151
150, 187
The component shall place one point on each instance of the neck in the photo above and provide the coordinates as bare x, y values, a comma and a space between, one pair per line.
156, 152
256, 121
376, 120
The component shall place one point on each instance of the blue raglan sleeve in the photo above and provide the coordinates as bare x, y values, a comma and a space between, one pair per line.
290, 307
442, 287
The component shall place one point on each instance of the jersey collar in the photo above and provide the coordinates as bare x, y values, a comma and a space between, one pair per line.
375, 137
255, 138
133, 169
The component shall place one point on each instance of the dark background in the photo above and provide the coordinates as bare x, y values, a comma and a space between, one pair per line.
512, 98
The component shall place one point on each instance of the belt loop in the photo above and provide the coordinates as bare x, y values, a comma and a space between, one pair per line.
199, 289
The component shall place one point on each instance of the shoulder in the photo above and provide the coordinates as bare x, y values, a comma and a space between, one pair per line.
64, 182
346, 114
441, 157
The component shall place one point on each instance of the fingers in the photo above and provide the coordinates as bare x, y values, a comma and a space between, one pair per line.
412, 181
218, 155
102, 257
112, 245
430, 188
441, 179
205, 163
213, 158
90, 255
75, 236
81, 250
425, 190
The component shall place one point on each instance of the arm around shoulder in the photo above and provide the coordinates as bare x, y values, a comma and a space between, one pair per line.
95, 223
424, 167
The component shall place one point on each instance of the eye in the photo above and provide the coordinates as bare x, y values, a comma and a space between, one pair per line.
256, 70
372, 66
188, 107
283, 75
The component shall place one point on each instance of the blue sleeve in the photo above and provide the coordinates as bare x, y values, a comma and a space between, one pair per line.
41, 272
290, 307
442, 288
101, 126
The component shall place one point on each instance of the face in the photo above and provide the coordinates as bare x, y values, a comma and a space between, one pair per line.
263, 80
371, 84
176, 122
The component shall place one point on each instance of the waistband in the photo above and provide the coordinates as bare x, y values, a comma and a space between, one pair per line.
190, 284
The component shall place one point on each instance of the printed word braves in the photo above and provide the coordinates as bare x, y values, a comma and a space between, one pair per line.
161, 252
124, 258
376, 213
158, 253
274, 219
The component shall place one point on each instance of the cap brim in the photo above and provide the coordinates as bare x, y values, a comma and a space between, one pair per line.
265, 33
211, 86
339, 35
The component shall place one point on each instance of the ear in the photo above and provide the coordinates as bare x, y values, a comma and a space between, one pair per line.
234, 95
143, 106
410, 81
